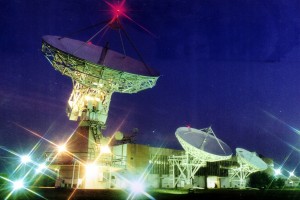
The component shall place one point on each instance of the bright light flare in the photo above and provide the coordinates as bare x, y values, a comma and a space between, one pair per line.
91, 170
41, 168
117, 10
282, 122
61, 148
25, 159
19, 184
105, 150
292, 173
277, 172
137, 187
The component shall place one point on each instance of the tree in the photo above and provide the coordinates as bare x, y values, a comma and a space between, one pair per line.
260, 180
280, 182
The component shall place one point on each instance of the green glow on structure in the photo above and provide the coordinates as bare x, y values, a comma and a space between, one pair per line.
93, 85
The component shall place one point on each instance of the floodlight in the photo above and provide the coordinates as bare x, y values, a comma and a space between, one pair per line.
41, 167
61, 148
18, 184
25, 159
292, 173
91, 170
137, 187
105, 149
277, 171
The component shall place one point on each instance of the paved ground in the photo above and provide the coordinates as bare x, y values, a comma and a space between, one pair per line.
220, 194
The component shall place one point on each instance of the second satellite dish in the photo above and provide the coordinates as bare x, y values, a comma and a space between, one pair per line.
203, 144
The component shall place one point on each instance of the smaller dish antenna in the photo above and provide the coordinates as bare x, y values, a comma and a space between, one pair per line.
119, 135
250, 159
249, 163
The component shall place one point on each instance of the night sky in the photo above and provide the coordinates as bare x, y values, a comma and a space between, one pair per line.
229, 64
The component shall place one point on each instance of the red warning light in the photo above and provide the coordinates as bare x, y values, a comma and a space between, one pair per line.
117, 9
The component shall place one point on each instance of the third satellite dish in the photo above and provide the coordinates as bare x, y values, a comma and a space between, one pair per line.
250, 159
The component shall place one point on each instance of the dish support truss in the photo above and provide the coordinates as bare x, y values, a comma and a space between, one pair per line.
93, 86
190, 163
242, 172
187, 166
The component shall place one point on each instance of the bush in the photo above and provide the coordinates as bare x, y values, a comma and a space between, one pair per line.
260, 180
264, 180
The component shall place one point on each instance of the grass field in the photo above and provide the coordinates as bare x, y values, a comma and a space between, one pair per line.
234, 194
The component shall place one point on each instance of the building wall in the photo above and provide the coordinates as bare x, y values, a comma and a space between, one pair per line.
78, 143
130, 161
137, 158
199, 181
153, 181
151, 162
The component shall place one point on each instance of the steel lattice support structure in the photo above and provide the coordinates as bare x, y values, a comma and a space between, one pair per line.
195, 143
93, 85
96, 72
187, 166
242, 172
192, 150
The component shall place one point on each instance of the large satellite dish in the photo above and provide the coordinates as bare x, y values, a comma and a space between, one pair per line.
250, 159
101, 56
97, 72
203, 144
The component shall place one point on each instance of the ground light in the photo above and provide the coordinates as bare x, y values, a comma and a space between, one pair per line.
25, 159
40, 168
292, 173
277, 172
137, 187
105, 149
19, 184
61, 148
91, 170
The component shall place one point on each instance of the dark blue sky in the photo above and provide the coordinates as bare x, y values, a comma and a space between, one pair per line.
230, 64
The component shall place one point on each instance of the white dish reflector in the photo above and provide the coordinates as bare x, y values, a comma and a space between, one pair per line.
203, 144
251, 159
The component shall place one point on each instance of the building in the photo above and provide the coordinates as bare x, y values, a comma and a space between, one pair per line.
127, 163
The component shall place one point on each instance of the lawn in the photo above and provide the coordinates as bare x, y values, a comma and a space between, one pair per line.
80, 194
